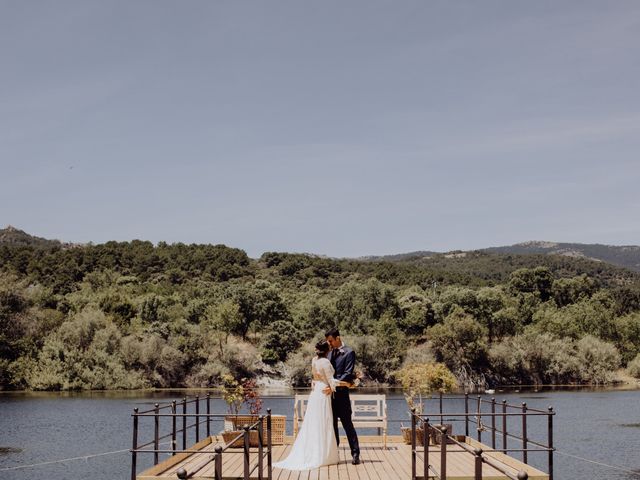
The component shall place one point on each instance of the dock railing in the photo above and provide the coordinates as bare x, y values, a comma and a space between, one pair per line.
475, 416
172, 430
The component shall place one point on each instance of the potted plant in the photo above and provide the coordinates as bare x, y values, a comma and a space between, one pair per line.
419, 380
245, 392
233, 394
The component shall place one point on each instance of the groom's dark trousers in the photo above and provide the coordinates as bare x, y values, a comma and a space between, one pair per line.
341, 404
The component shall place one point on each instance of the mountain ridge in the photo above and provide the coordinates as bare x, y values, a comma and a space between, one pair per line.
626, 256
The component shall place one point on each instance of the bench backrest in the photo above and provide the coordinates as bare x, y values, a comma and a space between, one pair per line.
364, 407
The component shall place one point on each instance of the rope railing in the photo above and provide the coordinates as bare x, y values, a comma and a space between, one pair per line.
215, 456
474, 416
445, 439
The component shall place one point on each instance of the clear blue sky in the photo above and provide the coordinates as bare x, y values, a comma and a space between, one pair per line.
339, 128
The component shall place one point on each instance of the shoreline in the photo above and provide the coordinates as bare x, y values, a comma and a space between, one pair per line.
289, 391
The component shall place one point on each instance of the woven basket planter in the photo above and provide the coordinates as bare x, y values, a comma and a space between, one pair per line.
278, 423
229, 436
406, 435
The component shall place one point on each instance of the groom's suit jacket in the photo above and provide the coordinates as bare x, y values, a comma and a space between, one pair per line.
343, 360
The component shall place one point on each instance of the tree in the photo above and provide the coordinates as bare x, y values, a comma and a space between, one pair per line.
459, 342
421, 379
222, 319
280, 339
490, 301
566, 291
359, 305
538, 281
417, 313
598, 360
627, 339
260, 304
319, 316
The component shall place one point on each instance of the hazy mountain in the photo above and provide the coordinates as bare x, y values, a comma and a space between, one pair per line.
400, 257
13, 236
627, 256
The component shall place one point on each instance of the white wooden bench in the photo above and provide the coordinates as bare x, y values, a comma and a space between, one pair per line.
368, 411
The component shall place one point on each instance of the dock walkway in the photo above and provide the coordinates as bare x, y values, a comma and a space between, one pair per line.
378, 463
503, 427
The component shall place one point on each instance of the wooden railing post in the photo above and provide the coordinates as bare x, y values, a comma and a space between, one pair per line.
246, 451
479, 418
184, 423
493, 423
269, 458
208, 414
173, 426
156, 433
478, 464
550, 441
413, 444
504, 426
197, 418
466, 414
525, 457
260, 447
218, 463
134, 446
443, 453
425, 442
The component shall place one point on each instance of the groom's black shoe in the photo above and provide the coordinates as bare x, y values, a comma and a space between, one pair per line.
356, 460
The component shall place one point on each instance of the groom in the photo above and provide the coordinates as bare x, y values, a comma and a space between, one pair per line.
343, 360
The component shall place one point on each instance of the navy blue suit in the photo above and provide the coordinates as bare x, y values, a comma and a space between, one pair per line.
344, 362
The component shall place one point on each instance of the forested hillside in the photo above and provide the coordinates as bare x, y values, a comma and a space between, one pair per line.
627, 256
130, 315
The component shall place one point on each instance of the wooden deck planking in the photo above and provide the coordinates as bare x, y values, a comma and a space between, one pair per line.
392, 464
377, 463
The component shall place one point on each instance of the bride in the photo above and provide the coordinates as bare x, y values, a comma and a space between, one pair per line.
315, 444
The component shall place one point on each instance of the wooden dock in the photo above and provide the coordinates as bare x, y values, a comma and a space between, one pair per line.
378, 463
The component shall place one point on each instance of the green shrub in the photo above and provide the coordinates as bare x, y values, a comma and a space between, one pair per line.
628, 336
280, 339
545, 359
633, 368
208, 374
297, 368
421, 353
598, 360
459, 342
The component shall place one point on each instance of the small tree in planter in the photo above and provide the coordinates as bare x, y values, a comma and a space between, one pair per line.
236, 394
232, 394
419, 380
249, 395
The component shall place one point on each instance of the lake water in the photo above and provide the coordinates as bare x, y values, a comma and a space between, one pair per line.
602, 425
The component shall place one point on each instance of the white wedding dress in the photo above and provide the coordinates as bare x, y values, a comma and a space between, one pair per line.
315, 444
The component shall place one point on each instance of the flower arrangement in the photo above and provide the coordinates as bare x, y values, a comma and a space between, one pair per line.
357, 379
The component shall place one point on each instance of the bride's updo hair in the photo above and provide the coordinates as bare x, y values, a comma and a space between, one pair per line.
322, 348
